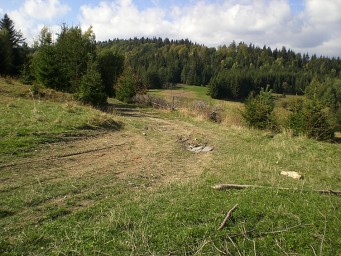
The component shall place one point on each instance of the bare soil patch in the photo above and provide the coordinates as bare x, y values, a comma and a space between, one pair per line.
146, 156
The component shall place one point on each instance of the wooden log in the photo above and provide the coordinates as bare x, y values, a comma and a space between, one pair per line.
243, 186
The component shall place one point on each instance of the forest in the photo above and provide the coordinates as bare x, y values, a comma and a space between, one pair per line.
95, 70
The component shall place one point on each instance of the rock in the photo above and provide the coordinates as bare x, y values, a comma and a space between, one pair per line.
207, 149
196, 149
294, 175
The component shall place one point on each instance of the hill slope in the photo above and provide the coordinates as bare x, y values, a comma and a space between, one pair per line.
140, 191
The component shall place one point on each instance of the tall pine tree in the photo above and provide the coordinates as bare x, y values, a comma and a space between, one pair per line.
12, 44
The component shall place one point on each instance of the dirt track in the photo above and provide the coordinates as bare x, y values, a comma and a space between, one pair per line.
146, 149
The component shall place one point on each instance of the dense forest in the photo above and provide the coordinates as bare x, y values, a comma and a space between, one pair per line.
74, 62
231, 71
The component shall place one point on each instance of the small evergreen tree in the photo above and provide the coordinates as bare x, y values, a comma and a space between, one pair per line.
258, 109
47, 70
128, 86
110, 65
92, 90
310, 118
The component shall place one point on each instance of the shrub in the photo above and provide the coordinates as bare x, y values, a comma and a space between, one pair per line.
128, 86
311, 119
91, 90
258, 109
111, 66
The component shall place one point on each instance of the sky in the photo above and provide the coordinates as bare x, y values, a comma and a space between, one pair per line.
306, 26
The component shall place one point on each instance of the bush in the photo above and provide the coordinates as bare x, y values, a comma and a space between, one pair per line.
311, 119
91, 90
128, 86
258, 109
111, 66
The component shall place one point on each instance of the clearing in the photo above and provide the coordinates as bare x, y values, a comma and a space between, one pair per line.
135, 189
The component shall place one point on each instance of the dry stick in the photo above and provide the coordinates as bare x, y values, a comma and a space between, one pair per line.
324, 232
238, 186
272, 232
234, 245
313, 250
228, 215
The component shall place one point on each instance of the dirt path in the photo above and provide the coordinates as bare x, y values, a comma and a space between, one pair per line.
147, 151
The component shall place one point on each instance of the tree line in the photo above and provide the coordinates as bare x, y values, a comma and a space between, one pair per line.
74, 62
231, 72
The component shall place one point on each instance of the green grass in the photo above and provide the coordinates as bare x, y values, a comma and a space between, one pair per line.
28, 121
44, 212
184, 91
176, 220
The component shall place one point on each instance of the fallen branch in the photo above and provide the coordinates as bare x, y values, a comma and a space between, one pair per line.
237, 186
228, 215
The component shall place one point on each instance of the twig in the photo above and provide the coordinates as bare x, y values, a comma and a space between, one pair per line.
254, 247
271, 232
312, 247
238, 186
280, 247
283, 230
324, 232
220, 251
202, 246
228, 215
234, 245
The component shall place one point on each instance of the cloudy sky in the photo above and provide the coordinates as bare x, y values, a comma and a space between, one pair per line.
312, 26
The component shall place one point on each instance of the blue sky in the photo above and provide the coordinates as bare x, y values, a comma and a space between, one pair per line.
311, 26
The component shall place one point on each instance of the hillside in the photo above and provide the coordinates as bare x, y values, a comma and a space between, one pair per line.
78, 181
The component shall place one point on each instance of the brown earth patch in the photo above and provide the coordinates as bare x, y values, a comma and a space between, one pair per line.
146, 156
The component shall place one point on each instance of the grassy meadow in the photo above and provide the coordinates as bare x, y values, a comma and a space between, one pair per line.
28, 120
77, 181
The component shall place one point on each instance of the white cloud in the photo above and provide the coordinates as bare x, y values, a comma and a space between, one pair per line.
319, 32
323, 11
219, 23
34, 14
270, 22
42, 10
313, 27
123, 19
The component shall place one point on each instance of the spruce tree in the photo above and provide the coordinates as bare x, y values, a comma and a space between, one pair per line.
92, 90
12, 53
6, 53
258, 109
15, 37
110, 65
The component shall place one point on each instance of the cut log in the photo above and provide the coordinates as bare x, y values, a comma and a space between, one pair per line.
243, 186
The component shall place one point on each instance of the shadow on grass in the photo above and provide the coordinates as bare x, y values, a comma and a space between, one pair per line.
124, 109
5, 213
106, 124
337, 140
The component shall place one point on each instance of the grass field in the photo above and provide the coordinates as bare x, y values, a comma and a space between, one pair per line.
28, 120
138, 191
